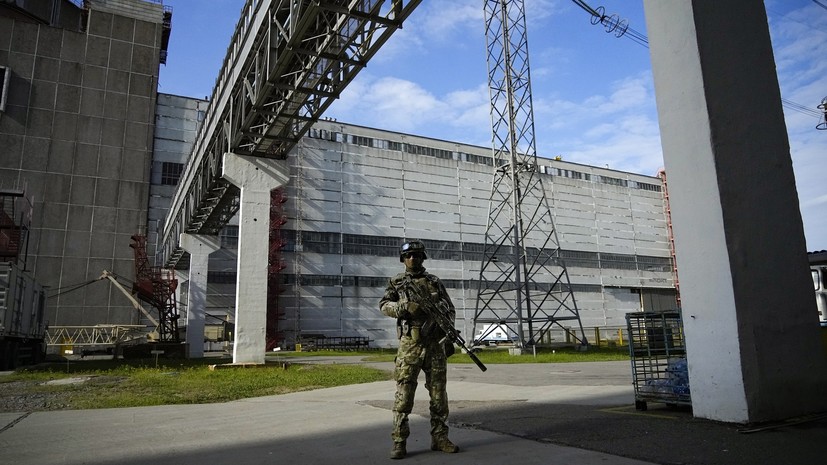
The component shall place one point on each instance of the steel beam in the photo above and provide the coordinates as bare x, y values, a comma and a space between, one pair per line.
286, 64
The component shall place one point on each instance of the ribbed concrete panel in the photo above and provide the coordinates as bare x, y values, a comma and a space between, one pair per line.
334, 225
365, 200
144, 11
386, 191
176, 121
373, 200
85, 150
440, 205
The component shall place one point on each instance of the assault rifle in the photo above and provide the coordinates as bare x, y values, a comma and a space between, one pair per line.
439, 314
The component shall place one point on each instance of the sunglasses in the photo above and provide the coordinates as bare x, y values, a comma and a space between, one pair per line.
413, 254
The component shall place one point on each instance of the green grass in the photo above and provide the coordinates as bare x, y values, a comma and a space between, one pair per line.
134, 383
544, 355
498, 355
127, 384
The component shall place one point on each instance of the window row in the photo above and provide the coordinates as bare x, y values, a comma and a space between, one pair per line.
388, 246
226, 277
467, 157
166, 173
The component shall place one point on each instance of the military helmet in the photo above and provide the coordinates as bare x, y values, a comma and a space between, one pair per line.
412, 247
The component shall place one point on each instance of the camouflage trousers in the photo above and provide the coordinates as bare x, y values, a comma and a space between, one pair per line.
413, 357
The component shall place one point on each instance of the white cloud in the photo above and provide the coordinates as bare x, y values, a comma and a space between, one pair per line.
433, 24
422, 84
800, 45
619, 129
441, 20
403, 105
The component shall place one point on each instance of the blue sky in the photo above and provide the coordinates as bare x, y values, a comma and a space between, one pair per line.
593, 94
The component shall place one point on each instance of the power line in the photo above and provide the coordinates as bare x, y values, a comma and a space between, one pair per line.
70, 288
620, 27
800, 108
613, 24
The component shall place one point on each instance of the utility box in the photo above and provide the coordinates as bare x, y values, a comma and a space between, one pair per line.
22, 318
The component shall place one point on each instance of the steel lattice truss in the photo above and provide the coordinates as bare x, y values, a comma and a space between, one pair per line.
93, 335
287, 62
524, 284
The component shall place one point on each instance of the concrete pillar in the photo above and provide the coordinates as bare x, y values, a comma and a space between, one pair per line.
256, 177
199, 247
749, 314
180, 297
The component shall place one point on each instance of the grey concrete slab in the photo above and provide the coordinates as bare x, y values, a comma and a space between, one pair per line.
308, 427
567, 413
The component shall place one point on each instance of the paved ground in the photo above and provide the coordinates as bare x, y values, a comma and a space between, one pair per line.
548, 414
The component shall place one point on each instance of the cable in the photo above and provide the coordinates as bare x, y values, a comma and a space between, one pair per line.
613, 24
620, 28
800, 108
73, 287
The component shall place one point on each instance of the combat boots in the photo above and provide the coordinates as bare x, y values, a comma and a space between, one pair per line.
398, 451
444, 444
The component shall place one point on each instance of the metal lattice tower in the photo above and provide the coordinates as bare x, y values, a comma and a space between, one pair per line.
524, 285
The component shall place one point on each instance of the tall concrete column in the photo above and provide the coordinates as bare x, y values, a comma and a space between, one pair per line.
199, 247
256, 177
749, 312
180, 297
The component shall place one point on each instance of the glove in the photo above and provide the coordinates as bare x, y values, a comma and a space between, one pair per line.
408, 310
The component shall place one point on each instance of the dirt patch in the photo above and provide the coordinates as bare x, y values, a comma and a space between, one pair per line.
39, 396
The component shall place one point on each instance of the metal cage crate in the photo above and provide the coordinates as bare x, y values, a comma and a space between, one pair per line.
658, 355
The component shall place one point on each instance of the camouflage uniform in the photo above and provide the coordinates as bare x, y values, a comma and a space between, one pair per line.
419, 349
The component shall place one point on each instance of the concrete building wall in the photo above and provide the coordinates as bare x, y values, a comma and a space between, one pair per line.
356, 193
77, 133
141, 10
177, 120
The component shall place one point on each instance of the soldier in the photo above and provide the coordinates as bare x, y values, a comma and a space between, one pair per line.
421, 347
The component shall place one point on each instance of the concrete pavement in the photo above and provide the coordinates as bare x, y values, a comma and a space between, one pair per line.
573, 414
346, 424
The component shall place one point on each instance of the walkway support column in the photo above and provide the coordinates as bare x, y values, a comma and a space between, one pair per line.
749, 311
255, 177
180, 298
199, 247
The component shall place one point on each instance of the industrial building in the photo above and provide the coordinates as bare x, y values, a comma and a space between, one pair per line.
78, 94
100, 151
355, 194
76, 133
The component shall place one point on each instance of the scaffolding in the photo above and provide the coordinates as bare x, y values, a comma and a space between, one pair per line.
275, 265
668, 211
156, 286
15, 223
